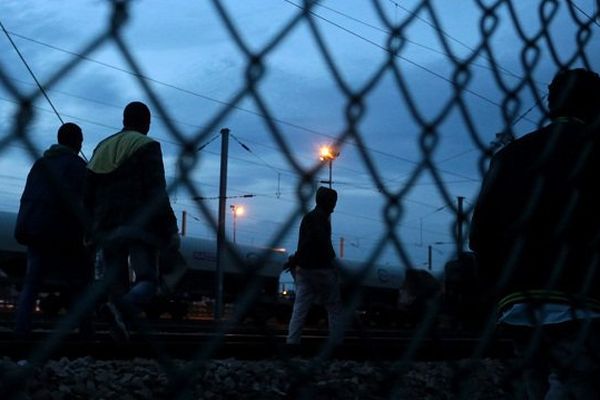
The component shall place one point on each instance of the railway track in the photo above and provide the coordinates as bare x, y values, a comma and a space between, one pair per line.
205, 340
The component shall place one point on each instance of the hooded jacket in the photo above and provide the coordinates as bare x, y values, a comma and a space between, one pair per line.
125, 190
315, 250
51, 211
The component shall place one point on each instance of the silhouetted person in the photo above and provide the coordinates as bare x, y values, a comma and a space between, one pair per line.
536, 233
316, 276
50, 224
131, 214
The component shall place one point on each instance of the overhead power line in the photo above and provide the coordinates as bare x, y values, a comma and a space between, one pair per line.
39, 85
208, 98
37, 82
406, 59
243, 196
591, 18
503, 70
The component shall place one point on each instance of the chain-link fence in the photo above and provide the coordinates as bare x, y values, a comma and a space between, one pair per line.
539, 51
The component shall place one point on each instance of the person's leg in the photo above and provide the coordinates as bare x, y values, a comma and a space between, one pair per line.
80, 274
29, 292
116, 276
333, 303
116, 270
532, 362
575, 363
144, 262
302, 303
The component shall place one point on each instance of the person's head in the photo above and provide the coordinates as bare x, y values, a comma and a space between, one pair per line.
574, 93
70, 135
136, 117
326, 199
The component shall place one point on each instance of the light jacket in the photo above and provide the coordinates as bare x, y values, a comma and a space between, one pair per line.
125, 190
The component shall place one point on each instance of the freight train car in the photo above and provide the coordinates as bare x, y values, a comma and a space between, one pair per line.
190, 277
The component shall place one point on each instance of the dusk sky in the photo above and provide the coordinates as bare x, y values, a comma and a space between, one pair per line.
196, 69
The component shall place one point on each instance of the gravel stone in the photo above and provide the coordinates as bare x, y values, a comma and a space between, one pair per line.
87, 378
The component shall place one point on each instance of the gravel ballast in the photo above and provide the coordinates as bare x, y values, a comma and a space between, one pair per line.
87, 378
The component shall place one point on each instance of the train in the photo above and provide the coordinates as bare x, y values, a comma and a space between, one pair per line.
188, 276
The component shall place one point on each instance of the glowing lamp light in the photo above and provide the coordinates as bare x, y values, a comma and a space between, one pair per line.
327, 153
236, 211
239, 210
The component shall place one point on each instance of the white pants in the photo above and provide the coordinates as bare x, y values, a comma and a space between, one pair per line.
313, 284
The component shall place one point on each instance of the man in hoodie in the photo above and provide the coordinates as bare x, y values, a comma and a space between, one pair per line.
316, 276
51, 224
132, 217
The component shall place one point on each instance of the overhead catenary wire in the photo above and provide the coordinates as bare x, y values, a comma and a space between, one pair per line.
594, 20
245, 147
37, 82
287, 172
280, 170
503, 70
251, 152
209, 142
446, 34
403, 58
208, 98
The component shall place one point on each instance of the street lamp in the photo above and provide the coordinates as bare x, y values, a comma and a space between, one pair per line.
236, 210
328, 153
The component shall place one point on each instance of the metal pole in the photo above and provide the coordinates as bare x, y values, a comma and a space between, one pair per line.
330, 168
234, 220
429, 257
218, 310
459, 227
183, 223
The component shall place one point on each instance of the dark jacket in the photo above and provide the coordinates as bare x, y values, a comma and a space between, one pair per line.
315, 249
51, 211
537, 218
125, 190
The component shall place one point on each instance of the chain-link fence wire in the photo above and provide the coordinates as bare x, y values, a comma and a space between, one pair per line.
428, 140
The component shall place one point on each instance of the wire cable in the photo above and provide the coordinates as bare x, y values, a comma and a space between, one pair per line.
503, 70
594, 20
39, 85
408, 60
208, 98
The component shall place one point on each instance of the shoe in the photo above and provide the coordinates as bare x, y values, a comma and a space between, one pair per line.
118, 329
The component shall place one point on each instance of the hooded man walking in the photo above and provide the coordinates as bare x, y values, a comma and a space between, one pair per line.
315, 271
51, 224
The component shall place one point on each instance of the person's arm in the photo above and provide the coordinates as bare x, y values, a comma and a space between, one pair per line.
156, 187
489, 225
21, 233
486, 209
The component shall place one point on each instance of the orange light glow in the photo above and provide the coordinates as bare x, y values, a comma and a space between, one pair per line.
327, 153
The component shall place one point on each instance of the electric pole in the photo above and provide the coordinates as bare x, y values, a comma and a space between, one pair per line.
459, 226
218, 309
